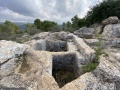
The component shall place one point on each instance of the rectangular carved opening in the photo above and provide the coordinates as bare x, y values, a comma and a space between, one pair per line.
64, 69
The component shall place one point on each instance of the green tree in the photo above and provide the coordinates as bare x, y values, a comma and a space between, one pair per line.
75, 21
82, 22
63, 26
69, 25
31, 29
1, 27
12, 28
38, 23
103, 10
46, 25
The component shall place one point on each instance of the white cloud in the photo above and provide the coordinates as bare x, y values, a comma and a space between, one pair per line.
56, 10
6, 14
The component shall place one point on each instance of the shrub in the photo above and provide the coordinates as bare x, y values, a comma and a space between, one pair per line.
89, 67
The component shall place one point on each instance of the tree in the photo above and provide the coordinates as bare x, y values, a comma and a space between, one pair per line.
103, 10
82, 22
63, 26
1, 27
75, 21
38, 23
46, 25
11, 28
31, 29
69, 25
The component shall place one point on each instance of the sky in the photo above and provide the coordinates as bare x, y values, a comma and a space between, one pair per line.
55, 10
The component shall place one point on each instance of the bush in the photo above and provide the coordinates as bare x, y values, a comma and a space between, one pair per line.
31, 29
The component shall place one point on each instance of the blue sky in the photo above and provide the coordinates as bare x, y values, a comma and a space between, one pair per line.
55, 10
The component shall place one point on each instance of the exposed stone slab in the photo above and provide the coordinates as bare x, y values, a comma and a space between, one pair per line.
41, 35
9, 49
71, 46
84, 49
37, 44
111, 31
88, 82
85, 32
91, 42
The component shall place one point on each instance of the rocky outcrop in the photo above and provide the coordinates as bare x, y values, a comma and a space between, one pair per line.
105, 77
85, 50
110, 20
111, 35
21, 71
41, 35
111, 31
85, 32
88, 81
32, 66
98, 30
9, 51
91, 42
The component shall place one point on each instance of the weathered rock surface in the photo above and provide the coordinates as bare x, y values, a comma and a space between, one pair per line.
9, 49
58, 36
88, 81
111, 31
9, 54
30, 67
37, 44
85, 32
111, 35
99, 30
110, 20
85, 50
91, 42
33, 65
41, 35
109, 68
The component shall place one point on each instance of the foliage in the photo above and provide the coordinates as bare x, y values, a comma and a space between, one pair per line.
10, 31
75, 21
99, 50
38, 23
31, 29
9, 28
75, 24
103, 10
68, 24
89, 67
63, 26
45, 25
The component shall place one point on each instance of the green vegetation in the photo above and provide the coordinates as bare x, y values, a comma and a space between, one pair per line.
98, 52
102, 11
9, 31
96, 14
9, 28
31, 29
99, 12
89, 67
46, 25
74, 24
